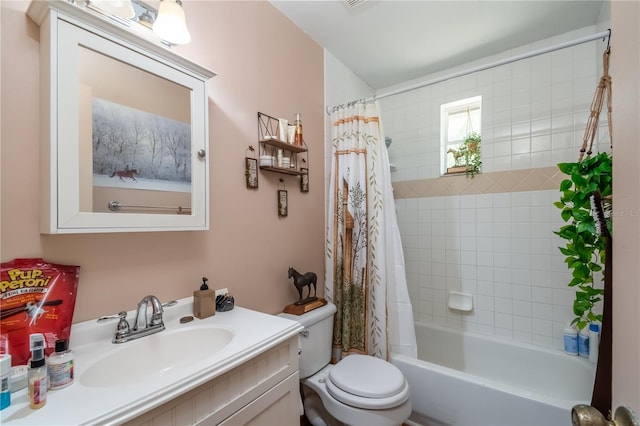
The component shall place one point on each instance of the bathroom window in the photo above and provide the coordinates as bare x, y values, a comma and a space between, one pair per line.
459, 120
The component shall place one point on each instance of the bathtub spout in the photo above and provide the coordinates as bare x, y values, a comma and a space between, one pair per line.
586, 415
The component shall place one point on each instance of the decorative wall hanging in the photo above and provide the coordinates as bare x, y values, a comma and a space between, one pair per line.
304, 180
283, 202
251, 169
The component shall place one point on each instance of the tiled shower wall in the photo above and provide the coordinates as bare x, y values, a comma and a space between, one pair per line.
492, 236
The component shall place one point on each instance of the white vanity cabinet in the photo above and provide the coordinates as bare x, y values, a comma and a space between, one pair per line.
262, 391
124, 127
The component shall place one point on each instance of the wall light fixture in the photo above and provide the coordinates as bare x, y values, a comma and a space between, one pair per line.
120, 8
170, 24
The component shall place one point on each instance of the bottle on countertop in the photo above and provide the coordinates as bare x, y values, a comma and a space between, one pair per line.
37, 376
60, 366
204, 301
5, 381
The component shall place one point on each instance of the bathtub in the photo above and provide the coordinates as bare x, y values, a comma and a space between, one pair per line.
464, 379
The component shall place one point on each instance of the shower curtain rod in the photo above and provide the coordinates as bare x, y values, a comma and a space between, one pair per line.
603, 35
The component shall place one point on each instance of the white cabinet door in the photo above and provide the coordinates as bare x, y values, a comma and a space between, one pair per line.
278, 406
124, 129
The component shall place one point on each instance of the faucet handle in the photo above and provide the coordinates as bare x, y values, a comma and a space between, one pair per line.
121, 315
123, 325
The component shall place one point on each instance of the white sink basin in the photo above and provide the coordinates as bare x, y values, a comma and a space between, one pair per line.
156, 355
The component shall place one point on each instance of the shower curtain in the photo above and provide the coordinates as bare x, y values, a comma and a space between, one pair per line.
364, 259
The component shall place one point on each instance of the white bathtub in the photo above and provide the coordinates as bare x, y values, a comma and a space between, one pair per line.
464, 379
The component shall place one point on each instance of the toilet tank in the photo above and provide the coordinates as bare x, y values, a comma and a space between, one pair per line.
315, 339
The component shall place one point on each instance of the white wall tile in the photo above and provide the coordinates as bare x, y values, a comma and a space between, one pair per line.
498, 246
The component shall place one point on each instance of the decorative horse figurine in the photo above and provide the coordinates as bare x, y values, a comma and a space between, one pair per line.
457, 156
301, 281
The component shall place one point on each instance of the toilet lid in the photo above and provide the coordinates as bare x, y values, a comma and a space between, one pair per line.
367, 382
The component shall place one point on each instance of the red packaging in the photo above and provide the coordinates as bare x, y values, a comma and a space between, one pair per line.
36, 297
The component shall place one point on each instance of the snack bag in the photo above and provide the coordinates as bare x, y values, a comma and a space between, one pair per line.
36, 297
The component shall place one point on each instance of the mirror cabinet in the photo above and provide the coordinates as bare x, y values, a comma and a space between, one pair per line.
124, 127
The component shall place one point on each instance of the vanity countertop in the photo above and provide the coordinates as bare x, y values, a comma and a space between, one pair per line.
79, 403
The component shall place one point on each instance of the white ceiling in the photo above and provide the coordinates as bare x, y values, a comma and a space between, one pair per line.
387, 42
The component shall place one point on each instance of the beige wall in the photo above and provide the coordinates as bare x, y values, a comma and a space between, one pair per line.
264, 63
625, 76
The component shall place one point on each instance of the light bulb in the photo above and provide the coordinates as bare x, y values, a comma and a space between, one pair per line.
121, 8
170, 24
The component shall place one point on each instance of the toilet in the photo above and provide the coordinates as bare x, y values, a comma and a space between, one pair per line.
358, 390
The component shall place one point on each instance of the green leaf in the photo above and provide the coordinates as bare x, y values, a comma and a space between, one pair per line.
566, 168
574, 282
595, 267
565, 185
579, 180
566, 214
581, 271
587, 227
580, 214
580, 307
575, 263
593, 317
568, 232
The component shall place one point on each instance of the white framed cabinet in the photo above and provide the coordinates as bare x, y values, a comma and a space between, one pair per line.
124, 128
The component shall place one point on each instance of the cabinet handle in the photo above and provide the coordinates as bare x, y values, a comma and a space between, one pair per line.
202, 153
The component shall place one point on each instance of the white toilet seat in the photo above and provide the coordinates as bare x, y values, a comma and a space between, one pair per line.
367, 382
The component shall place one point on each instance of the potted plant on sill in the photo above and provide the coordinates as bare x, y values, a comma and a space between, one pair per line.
585, 248
468, 157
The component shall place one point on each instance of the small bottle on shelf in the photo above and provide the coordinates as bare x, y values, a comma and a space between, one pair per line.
298, 135
279, 158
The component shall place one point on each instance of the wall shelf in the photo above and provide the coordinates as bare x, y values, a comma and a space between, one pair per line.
269, 145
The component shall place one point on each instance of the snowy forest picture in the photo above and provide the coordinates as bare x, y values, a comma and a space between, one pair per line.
137, 149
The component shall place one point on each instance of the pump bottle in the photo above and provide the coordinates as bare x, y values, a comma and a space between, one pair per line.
204, 301
37, 377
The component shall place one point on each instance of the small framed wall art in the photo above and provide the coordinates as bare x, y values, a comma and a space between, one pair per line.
283, 203
304, 180
251, 172
251, 169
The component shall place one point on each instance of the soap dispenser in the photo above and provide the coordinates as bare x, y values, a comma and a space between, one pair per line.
204, 301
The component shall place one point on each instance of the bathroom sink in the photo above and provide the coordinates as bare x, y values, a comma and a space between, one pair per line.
155, 355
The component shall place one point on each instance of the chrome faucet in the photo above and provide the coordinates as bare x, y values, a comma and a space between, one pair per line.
150, 324
141, 313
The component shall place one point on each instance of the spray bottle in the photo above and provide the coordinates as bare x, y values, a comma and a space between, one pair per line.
37, 377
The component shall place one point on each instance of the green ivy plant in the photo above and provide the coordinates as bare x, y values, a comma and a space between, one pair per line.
470, 153
585, 246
